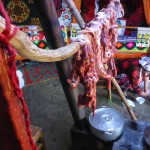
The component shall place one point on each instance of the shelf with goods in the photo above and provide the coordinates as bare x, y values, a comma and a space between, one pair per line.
135, 45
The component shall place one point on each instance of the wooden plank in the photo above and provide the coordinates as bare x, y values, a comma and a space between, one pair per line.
38, 138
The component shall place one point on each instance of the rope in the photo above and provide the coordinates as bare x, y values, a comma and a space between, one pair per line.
5, 36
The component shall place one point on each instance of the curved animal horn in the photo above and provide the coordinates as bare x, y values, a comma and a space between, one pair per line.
27, 49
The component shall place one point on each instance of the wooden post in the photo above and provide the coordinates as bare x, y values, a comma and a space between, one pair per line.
51, 27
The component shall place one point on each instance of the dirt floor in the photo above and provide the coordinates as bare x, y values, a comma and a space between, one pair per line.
49, 110
141, 111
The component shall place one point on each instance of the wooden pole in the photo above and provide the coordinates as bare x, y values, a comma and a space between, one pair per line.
76, 13
27, 49
127, 27
52, 31
78, 5
123, 99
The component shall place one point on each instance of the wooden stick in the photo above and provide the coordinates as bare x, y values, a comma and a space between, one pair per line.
128, 27
123, 99
78, 5
110, 97
75, 13
109, 88
27, 49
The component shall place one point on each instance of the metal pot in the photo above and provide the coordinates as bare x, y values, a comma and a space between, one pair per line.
107, 124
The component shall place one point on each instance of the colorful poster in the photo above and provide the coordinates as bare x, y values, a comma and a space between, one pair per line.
143, 37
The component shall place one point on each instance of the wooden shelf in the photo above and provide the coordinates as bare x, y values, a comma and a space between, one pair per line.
38, 137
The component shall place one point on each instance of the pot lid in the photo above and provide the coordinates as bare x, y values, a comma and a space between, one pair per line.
106, 119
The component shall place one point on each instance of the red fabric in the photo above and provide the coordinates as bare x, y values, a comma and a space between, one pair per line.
137, 18
134, 14
88, 10
58, 7
5, 36
131, 68
137, 3
135, 11
12, 121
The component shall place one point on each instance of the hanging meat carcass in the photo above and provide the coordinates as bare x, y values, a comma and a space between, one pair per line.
95, 59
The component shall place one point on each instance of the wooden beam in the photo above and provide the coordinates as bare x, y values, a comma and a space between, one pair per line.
27, 49
52, 31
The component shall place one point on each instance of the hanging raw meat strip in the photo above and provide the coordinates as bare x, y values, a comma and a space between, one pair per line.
95, 59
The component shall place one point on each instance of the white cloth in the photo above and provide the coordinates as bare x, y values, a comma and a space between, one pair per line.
145, 62
20, 77
142, 86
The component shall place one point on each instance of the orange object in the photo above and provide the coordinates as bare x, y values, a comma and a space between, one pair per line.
130, 55
78, 5
13, 132
18, 57
147, 10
